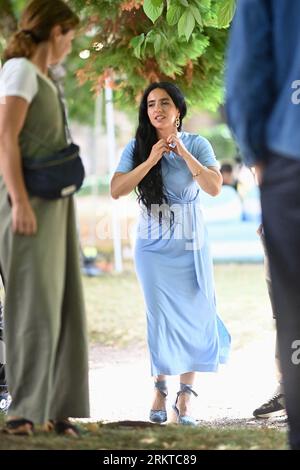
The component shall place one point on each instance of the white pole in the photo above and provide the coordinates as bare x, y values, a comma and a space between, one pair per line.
111, 144
97, 130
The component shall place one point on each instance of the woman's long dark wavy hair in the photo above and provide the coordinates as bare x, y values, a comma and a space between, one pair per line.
150, 190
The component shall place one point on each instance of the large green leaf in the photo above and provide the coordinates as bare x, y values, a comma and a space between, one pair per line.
173, 14
153, 9
136, 43
226, 11
196, 14
186, 24
157, 43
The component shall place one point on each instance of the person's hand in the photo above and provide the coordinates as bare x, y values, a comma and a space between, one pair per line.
259, 173
176, 145
259, 231
157, 151
23, 219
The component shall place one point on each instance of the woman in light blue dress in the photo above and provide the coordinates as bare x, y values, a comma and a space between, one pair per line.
167, 167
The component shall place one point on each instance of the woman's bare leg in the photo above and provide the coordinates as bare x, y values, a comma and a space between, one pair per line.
184, 399
159, 402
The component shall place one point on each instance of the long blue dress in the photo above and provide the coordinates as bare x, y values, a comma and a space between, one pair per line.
174, 267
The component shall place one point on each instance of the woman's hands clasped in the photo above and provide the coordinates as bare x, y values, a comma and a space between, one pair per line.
176, 145
171, 144
157, 151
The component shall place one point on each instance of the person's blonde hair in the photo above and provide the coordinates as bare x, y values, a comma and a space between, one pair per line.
35, 26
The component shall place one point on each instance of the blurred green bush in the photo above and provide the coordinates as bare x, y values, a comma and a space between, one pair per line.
223, 144
90, 187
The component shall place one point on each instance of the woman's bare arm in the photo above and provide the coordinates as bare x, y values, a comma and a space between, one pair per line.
123, 183
12, 117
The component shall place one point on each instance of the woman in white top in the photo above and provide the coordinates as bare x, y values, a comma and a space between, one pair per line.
45, 334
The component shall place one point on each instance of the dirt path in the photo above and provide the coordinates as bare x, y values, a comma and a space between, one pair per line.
121, 387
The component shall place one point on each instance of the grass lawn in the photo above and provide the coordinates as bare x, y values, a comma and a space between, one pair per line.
116, 318
116, 312
150, 437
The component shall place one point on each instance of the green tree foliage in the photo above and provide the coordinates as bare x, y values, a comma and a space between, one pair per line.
7, 21
136, 42
80, 98
221, 139
9, 12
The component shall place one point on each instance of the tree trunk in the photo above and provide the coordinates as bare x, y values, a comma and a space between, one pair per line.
8, 21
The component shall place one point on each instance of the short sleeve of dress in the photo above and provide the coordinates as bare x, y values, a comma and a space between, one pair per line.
18, 78
126, 163
204, 152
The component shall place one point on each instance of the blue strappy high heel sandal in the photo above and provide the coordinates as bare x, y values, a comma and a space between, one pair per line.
186, 420
159, 416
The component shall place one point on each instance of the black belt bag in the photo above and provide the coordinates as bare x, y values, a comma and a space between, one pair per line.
55, 176
58, 175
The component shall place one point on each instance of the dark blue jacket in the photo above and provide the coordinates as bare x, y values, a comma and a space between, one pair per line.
263, 78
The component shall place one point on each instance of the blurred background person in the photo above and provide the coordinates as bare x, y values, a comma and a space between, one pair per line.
228, 175
263, 111
47, 366
275, 406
